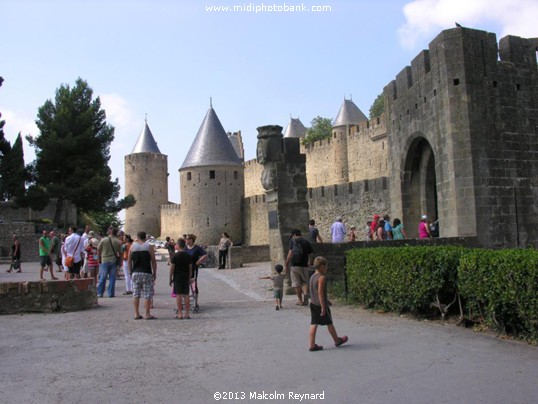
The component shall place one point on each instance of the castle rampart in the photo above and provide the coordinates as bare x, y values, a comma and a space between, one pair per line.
462, 133
355, 201
171, 220
364, 147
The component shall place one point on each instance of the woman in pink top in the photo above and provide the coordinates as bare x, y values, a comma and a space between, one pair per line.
423, 228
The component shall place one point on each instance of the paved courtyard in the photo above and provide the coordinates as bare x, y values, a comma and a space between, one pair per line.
239, 349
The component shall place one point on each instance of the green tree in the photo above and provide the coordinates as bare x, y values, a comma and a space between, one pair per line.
104, 220
378, 107
13, 173
73, 150
321, 128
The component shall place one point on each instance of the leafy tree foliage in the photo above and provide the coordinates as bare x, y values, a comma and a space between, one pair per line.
321, 128
13, 174
73, 150
378, 107
104, 220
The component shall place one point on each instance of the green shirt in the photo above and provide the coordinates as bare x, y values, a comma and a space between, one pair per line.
55, 245
105, 246
44, 242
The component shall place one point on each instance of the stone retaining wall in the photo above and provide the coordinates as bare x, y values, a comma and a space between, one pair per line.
46, 297
336, 253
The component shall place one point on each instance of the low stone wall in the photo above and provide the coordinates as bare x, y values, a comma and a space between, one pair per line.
336, 253
239, 255
255, 253
46, 297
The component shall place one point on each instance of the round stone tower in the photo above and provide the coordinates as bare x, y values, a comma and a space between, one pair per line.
146, 178
212, 185
348, 115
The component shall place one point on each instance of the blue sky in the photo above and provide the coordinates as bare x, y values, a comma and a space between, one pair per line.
166, 58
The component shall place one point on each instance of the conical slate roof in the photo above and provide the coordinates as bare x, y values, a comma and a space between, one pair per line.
349, 114
146, 143
295, 128
211, 147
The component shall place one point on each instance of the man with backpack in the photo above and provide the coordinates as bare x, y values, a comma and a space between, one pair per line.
298, 264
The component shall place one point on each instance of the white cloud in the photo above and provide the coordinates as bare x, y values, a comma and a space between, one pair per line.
424, 18
119, 115
17, 123
126, 130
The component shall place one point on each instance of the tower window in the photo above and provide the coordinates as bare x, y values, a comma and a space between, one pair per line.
236, 175
189, 176
211, 174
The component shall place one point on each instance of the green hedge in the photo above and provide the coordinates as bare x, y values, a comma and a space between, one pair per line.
501, 289
402, 279
496, 287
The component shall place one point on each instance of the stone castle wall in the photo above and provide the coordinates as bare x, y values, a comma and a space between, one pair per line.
255, 220
367, 157
171, 221
368, 150
479, 117
9, 214
356, 202
253, 173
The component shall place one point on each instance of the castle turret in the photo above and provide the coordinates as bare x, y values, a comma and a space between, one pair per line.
237, 142
146, 178
212, 185
295, 128
349, 115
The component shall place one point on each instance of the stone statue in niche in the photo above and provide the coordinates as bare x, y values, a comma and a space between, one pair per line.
268, 153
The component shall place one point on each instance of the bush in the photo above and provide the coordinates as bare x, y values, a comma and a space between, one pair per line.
404, 279
500, 288
497, 287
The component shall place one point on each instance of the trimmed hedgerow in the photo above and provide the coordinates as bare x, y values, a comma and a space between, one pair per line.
496, 287
404, 279
500, 288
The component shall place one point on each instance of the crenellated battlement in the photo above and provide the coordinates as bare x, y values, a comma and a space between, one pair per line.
463, 117
136, 157
171, 208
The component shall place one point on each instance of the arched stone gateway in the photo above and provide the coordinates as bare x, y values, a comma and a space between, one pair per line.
419, 185
462, 130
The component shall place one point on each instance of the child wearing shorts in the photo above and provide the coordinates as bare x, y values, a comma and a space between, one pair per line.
319, 306
278, 285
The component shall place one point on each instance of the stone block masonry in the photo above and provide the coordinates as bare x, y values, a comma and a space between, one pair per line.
47, 297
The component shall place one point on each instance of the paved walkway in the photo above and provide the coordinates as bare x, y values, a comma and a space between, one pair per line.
238, 345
